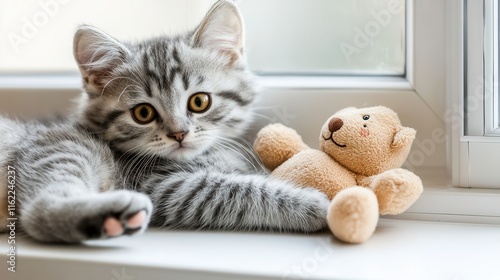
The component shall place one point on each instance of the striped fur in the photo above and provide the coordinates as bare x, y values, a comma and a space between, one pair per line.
63, 181
206, 180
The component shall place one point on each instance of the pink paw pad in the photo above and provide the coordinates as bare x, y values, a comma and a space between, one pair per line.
137, 220
113, 227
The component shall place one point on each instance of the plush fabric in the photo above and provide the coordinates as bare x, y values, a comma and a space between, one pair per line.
357, 167
353, 228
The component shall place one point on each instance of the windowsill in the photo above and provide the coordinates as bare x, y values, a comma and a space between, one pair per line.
442, 202
335, 82
73, 81
398, 250
57, 81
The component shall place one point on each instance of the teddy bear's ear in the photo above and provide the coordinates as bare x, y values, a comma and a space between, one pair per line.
404, 136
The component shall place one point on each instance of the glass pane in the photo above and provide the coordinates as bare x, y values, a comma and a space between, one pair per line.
283, 36
37, 35
496, 109
490, 65
344, 37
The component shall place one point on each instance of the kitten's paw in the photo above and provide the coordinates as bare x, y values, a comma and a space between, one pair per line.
127, 213
114, 227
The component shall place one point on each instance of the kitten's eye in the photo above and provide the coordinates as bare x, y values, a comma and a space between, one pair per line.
199, 102
143, 113
366, 117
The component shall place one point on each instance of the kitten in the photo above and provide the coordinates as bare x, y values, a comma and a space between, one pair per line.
158, 118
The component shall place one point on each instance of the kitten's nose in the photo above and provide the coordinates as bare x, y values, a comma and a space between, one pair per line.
335, 124
178, 136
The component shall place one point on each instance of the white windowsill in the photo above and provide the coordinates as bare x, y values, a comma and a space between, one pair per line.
480, 139
335, 82
69, 81
450, 204
442, 202
397, 250
73, 81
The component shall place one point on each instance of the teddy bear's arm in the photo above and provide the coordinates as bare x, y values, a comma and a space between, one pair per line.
396, 189
277, 143
364, 181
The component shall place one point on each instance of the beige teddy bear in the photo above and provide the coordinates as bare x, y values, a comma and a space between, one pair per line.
357, 167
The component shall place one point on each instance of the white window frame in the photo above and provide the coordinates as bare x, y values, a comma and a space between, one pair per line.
458, 202
478, 149
433, 81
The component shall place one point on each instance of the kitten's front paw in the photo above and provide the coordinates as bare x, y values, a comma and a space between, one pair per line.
129, 214
114, 227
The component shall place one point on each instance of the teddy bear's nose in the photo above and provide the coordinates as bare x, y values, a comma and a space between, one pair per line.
335, 124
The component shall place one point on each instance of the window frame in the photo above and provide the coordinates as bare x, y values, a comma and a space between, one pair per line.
477, 150
458, 202
420, 75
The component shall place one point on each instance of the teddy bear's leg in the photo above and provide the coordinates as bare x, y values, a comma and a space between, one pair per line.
396, 190
353, 214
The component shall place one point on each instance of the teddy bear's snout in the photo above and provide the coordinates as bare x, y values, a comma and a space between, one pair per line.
335, 124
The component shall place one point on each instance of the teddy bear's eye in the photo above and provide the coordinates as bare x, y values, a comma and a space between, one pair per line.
366, 117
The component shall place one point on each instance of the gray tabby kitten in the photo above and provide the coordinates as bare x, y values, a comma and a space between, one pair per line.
158, 118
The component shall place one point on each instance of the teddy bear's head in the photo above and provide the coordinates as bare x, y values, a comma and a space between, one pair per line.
367, 141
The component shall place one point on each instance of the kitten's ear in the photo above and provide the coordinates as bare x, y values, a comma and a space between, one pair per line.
222, 29
97, 54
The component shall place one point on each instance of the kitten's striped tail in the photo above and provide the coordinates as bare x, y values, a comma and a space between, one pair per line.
203, 200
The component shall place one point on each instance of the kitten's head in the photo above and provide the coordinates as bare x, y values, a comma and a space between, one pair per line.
170, 96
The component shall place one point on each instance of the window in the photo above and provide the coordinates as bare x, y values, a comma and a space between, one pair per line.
364, 37
369, 34
417, 93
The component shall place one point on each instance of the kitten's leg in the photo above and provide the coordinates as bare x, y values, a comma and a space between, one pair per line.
74, 216
66, 190
235, 202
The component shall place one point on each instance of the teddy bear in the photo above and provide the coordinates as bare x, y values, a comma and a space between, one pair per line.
357, 167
